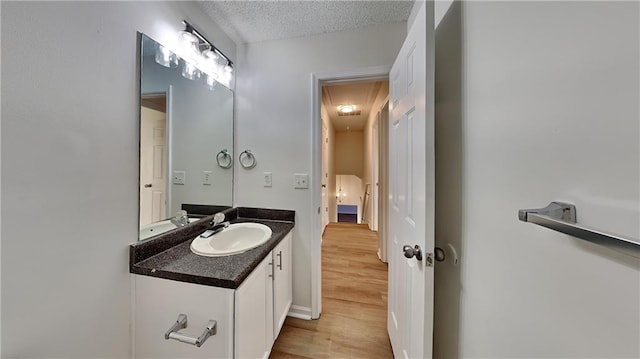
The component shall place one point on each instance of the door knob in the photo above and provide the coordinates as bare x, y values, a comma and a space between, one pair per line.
411, 252
148, 185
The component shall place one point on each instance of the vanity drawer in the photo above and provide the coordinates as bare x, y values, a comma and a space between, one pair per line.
158, 302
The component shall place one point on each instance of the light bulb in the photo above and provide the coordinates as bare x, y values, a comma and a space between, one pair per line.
190, 71
188, 38
165, 57
210, 55
211, 82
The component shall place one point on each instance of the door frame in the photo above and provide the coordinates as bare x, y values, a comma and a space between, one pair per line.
383, 178
169, 139
375, 174
317, 80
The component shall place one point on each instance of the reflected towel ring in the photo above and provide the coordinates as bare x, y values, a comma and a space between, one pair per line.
224, 159
247, 159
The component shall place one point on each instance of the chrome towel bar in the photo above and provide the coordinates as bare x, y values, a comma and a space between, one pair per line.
561, 217
181, 323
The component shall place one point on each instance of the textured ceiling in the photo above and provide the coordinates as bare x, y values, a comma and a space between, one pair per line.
254, 21
360, 94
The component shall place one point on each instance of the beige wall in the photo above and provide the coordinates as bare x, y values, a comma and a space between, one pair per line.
331, 182
368, 147
350, 153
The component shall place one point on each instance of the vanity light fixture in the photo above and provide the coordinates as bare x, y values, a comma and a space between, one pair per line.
346, 108
202, 57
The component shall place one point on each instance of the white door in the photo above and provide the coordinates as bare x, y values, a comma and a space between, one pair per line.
325, 176
153, 163
411, 217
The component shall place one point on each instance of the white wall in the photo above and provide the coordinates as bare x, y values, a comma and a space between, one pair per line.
537, 101
273, 109
350, 153
70, 170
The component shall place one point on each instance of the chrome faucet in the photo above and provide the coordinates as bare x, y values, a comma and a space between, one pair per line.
216, 225
181, 219
217, 219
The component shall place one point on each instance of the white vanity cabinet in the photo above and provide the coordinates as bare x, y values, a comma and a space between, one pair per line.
158, 302
254, 313
249, 318
282, 284
258, 321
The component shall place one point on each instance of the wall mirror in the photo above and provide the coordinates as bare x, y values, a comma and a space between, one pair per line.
186, 142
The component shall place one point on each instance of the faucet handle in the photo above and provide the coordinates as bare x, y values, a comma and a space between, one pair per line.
217, 218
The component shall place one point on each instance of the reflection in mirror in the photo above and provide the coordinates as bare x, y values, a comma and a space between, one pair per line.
184, 126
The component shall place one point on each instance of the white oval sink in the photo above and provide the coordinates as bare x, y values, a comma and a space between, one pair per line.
153, 229
237, 238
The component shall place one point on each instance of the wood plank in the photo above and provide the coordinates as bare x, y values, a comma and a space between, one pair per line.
353, 323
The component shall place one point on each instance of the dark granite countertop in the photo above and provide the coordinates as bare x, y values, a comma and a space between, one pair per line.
169, 255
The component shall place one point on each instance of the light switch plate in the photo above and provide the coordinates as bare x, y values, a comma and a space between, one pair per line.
179, 177
300, 180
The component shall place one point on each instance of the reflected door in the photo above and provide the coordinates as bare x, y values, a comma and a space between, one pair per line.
325, 176
153, 163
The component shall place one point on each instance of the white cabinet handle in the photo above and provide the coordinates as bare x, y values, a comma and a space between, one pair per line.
181, 323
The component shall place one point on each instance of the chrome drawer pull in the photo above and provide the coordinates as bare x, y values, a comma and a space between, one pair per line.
181, 323
279, 255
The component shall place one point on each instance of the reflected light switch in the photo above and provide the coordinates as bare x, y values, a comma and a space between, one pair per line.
267, 179
206, 178
179, 177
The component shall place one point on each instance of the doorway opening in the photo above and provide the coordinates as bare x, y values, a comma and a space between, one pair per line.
351, 113
343, 156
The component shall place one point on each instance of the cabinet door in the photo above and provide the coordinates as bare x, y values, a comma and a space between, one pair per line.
254, 313
282, 293
158, 302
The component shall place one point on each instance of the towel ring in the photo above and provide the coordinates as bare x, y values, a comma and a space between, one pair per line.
247, 159
224, 159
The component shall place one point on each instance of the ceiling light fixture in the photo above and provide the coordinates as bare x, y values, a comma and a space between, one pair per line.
346, 108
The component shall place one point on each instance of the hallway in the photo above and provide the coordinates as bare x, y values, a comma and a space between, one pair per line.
354, 302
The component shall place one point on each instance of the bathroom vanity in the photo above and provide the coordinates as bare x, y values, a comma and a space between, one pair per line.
248, 295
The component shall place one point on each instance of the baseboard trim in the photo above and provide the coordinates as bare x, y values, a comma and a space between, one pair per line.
300, 312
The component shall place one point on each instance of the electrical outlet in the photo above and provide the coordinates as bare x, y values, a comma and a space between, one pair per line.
267, 179
206, 178
300, 180
179, 177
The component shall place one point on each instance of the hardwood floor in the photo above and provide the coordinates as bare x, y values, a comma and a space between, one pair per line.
353, 323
